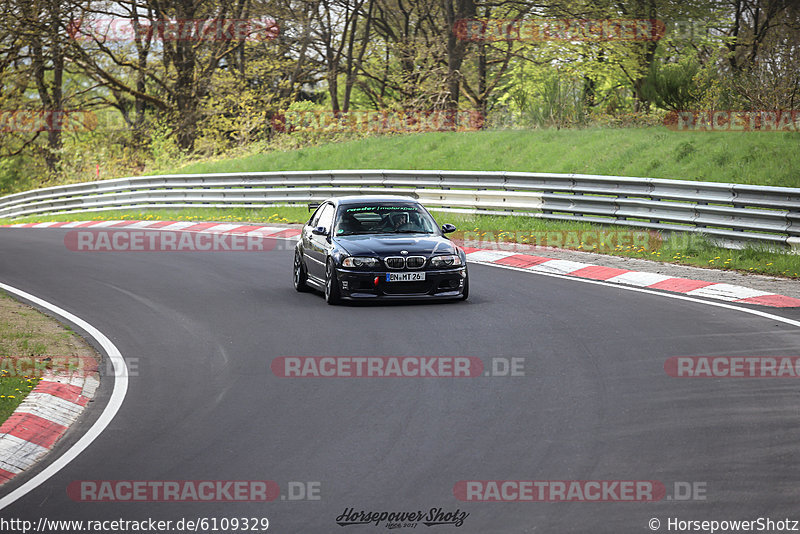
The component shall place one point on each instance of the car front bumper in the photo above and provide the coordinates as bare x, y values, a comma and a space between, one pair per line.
366, 285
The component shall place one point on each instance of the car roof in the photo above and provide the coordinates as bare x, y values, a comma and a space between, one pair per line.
359, 199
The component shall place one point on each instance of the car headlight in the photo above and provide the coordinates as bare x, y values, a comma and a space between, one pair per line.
451, 260
359, 261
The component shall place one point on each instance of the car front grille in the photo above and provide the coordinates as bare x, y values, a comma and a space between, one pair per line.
415, 262
411, 262
395, 262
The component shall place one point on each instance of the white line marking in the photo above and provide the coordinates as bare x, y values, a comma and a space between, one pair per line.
639, 278
218, 229
489, 255
558, 266
175, 226
114, 403
103, 224
140, 224
265, 231
727, 292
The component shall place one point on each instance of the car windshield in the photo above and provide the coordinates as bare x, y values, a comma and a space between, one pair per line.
383, 218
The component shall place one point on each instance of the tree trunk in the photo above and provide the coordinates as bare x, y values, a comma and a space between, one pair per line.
456, 48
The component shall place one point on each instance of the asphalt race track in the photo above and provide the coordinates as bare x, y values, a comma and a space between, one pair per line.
200, 330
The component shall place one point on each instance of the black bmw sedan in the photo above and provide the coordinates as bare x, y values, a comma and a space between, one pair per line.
378, 247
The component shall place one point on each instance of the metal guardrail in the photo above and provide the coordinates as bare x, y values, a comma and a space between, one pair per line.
727, 212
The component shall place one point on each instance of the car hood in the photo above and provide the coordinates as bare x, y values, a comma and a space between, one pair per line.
391, 245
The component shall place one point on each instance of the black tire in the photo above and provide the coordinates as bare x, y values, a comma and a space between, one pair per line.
332, 294
465, 293
299, 274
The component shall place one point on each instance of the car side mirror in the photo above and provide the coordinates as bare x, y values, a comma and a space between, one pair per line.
320, 230
448, 228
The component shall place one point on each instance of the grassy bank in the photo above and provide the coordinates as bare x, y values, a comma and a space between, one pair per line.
761, 158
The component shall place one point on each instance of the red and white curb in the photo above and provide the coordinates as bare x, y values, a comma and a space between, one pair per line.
686, 286
173, 226
44, 416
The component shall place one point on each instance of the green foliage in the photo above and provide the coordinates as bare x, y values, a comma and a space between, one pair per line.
163, 146
12, 177
220, 98
674, 86
542, 99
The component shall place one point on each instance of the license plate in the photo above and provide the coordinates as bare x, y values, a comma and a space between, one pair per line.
405, 277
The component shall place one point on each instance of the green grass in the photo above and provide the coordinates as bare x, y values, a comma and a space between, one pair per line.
17, 344
13, 390
30, 343
760, 158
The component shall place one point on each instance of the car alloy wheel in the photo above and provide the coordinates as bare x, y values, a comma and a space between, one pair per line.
332, 294
300, 276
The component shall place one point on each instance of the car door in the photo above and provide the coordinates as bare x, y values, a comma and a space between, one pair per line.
305, 237
318, 245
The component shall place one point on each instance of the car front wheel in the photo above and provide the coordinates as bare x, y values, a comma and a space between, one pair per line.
332, 293
300, 275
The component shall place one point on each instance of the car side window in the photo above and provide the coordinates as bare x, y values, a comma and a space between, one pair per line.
315, 218
326, 217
